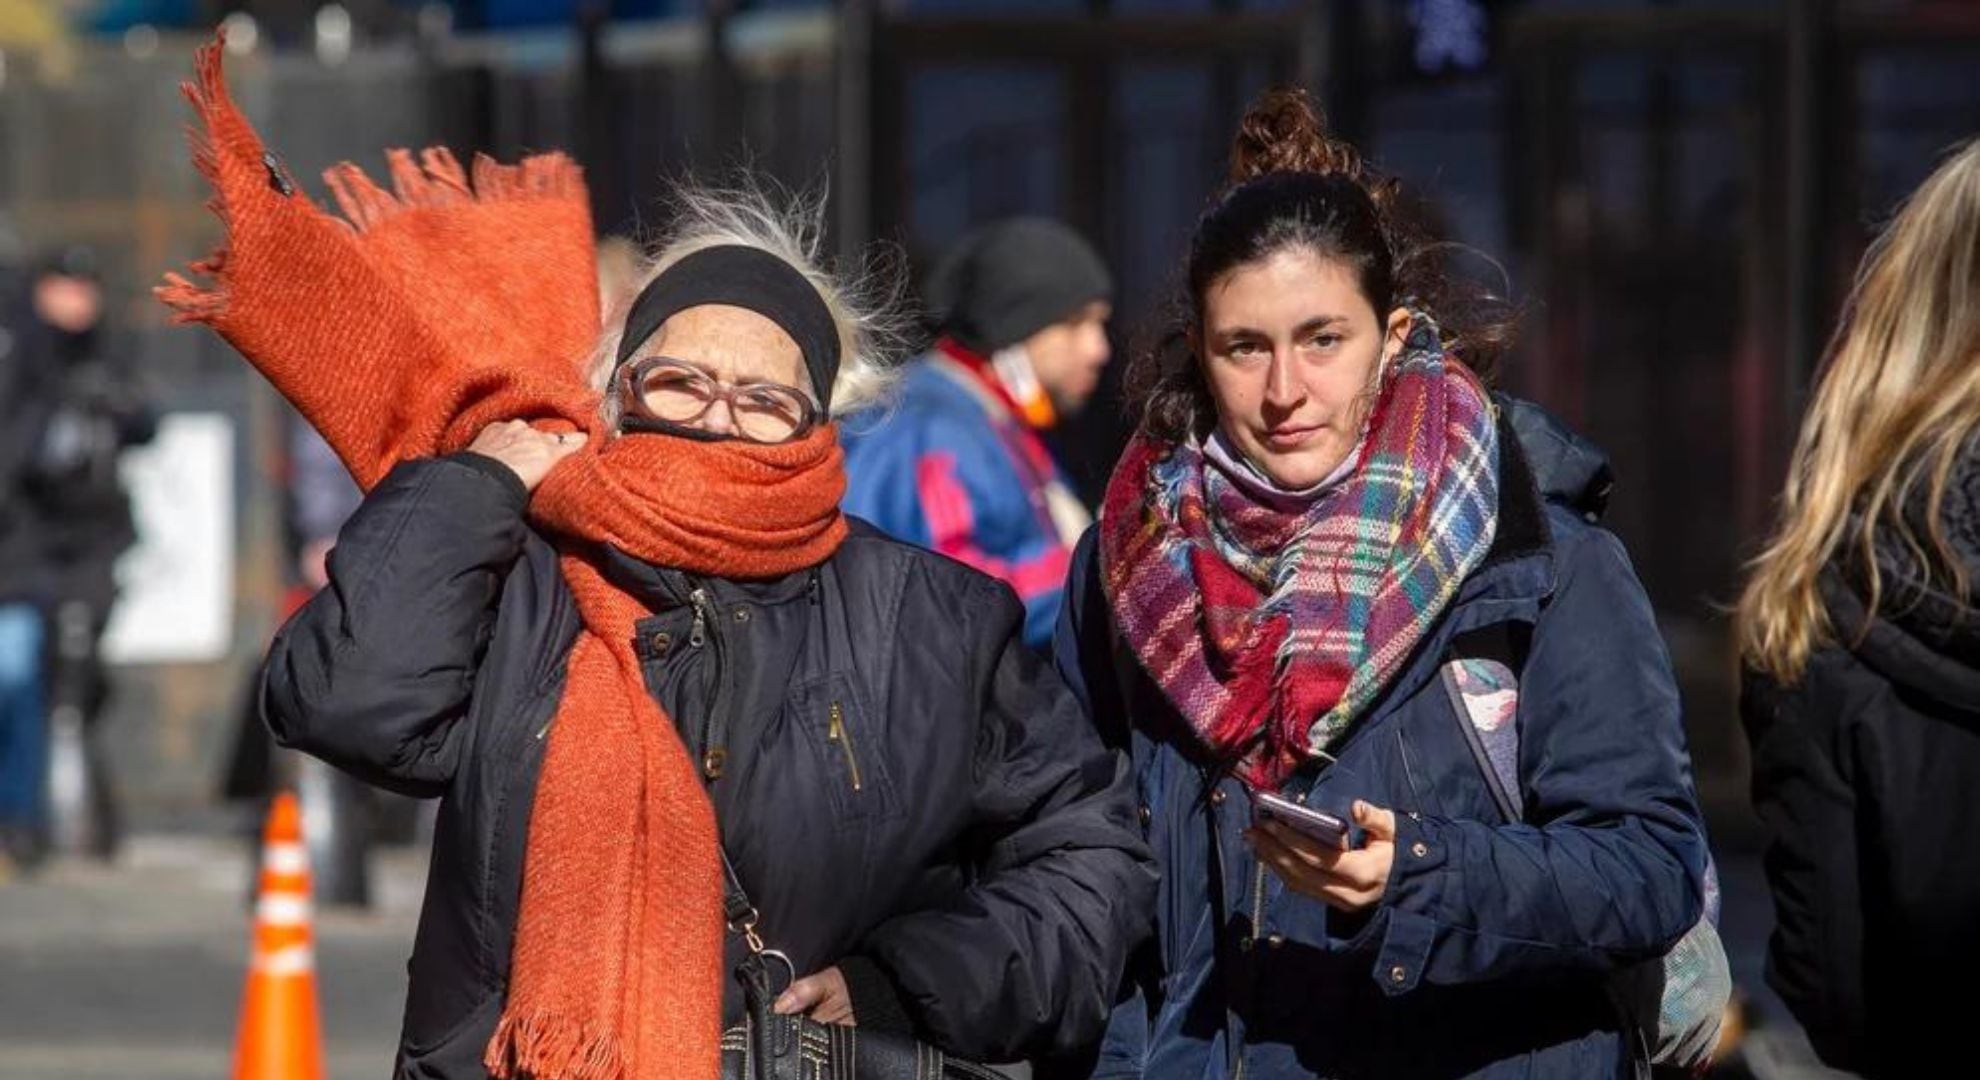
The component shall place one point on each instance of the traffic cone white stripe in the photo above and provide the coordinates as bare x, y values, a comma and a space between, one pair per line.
282, 909
287, 960
286, 858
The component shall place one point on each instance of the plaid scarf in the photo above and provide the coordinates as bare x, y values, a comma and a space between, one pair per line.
1271, 631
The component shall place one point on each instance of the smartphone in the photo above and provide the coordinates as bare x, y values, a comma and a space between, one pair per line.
1313, 824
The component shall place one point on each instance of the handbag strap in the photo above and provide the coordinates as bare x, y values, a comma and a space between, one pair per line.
737, 911
1495, 642
741, 917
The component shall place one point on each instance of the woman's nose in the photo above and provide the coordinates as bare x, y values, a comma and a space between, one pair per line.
1282, 389
719, 419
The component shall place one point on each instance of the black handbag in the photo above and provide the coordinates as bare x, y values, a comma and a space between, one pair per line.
766, 1046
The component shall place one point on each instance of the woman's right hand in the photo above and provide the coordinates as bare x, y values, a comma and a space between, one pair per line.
823, 996
528, 453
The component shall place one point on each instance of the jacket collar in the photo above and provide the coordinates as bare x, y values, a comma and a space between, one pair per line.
660, 588
1519, 566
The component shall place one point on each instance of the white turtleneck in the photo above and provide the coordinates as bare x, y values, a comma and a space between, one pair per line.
1260, 486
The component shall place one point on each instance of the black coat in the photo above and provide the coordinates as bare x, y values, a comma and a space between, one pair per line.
1867, 775
69, 406
958, 840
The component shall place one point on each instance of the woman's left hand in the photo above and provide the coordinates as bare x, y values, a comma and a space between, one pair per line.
822, 996
1347, 879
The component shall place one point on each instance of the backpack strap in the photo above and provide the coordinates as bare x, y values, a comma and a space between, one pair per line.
1505, 646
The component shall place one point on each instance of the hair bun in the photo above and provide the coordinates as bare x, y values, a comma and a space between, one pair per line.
1283, 131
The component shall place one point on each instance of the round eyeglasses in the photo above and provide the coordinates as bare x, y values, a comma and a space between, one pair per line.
659, 393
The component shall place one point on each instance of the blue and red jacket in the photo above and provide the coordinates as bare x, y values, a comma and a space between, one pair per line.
954, 468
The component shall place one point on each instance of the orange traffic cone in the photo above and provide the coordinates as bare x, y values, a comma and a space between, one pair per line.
280, 1036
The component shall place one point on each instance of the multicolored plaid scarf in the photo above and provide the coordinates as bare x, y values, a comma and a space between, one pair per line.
1272, 631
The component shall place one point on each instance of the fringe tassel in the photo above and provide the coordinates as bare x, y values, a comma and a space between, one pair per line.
444, 169
190, 302
207, 93
551, 176
543, 1046
208, 90
363, 203
436, 180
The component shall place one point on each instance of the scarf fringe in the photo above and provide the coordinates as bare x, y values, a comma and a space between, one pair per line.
213, 110
434, 179
547, 1046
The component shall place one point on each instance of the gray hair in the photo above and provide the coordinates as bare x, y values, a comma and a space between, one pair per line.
864, 299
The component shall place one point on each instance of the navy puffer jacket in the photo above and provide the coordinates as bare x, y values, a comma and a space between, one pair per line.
1488, 954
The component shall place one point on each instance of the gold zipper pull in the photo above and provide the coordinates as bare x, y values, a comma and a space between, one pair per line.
837, 732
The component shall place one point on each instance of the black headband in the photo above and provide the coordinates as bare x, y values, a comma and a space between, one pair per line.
743, 277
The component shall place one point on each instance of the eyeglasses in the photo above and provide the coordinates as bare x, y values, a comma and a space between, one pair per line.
661, 393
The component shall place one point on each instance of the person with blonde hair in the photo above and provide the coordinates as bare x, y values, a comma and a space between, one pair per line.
1860, 637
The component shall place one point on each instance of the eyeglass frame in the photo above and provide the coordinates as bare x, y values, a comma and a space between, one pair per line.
636, 416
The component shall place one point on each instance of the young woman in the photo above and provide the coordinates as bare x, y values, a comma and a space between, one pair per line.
1327, 570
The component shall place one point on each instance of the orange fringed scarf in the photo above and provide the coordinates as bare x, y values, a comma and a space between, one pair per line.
449, 304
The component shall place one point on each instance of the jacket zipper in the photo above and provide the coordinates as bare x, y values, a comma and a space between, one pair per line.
839, 733
1257, 924
713, 755
1257, 901
1409, 773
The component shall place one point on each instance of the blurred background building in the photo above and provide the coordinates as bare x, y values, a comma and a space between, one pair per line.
1675, 191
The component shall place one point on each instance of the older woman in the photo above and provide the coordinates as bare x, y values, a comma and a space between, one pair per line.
675, 705
925, 826
1328, 573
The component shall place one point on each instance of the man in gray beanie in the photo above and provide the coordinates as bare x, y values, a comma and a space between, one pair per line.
958, 465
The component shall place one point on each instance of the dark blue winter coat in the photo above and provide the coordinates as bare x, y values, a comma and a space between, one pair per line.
1488, 952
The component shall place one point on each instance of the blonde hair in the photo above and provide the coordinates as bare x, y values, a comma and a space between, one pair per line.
864, 299
1898, 401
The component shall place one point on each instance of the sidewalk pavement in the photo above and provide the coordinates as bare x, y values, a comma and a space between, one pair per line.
114, 972
135, 970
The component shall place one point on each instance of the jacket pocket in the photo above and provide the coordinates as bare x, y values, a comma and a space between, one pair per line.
844, 747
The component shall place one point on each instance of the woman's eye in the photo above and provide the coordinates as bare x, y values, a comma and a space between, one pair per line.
766, 401
1324, 340
1244, 349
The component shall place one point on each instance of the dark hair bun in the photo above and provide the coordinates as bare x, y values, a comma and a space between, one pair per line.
1283, 132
